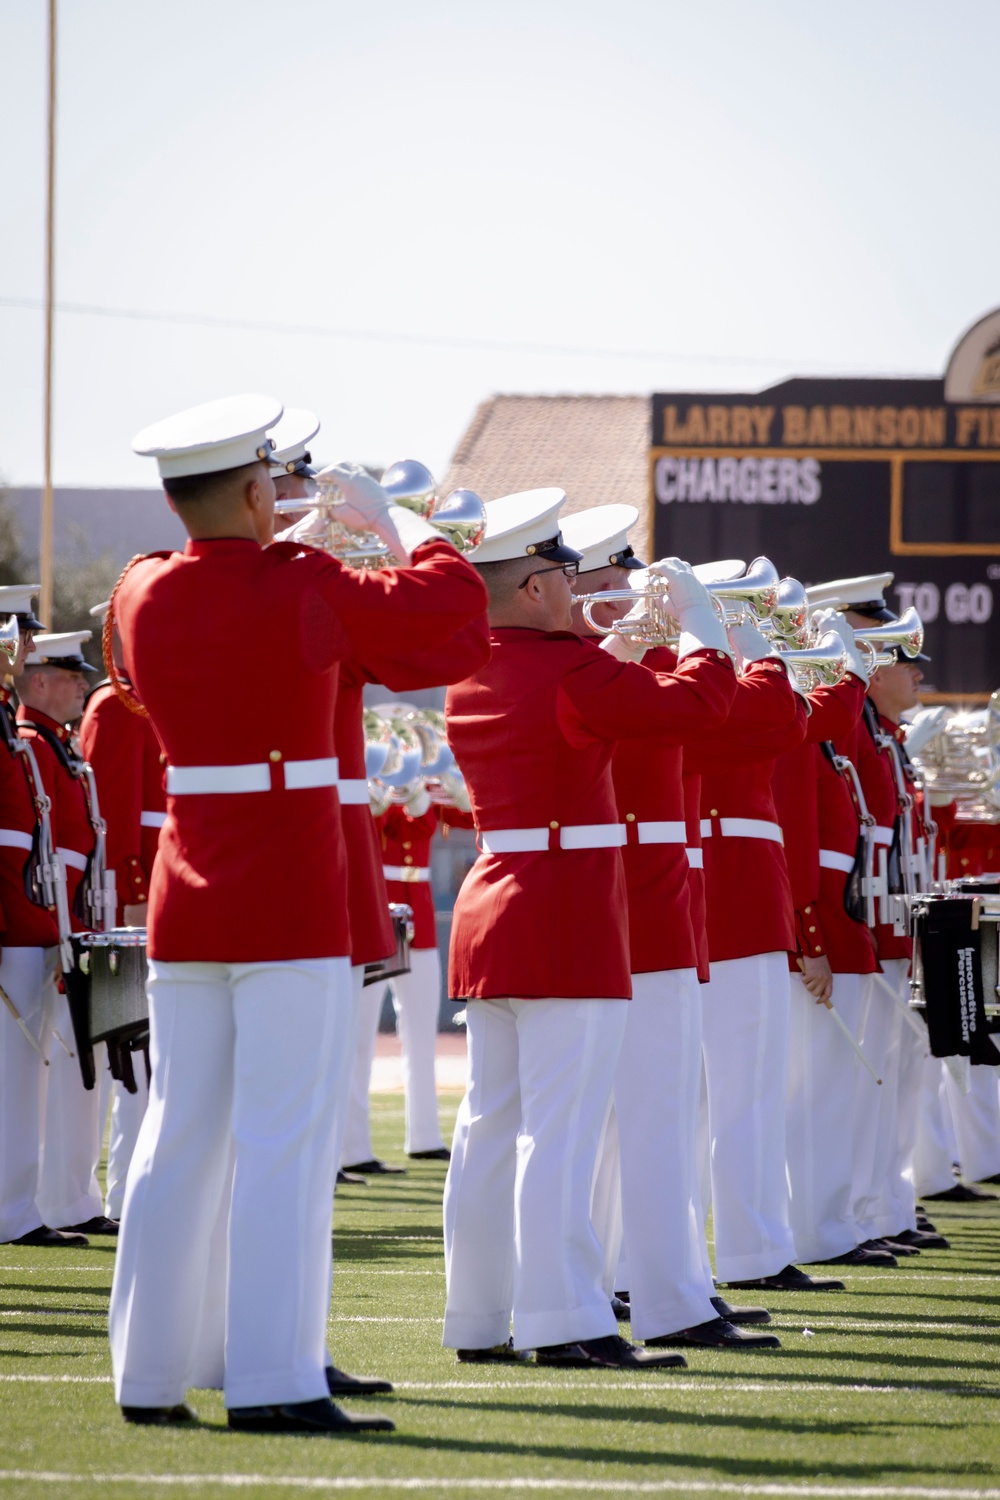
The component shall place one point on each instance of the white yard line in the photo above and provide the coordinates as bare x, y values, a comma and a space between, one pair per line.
583, 1486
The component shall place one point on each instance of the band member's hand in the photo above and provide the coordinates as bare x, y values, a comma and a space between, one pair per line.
626, 647
832, 619
690, 601
418, 804
817, 976
310, 529
924, 727
365, 502
749, 644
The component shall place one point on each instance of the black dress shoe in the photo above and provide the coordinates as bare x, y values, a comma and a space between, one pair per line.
350, 1179
890, 1245
376, 1168
440, 1153
47, 1238
717, 1333
861, 1255
621, 1309
791, 1279
97, 1225
160, 1416
995, 1179
307, 1417
739, 1314
608, 1353
499, 1354
339, 1383
960, 1193
920, 1239
923, 1222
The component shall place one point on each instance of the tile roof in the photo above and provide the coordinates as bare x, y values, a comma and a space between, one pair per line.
594, 447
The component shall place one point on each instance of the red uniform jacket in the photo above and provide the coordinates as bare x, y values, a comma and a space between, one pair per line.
256, 876
971, 848
816, 811
406, 845
127, 761
748, 898
649, 788
71, 827
534, 733
24, 925
372, 935
878, 783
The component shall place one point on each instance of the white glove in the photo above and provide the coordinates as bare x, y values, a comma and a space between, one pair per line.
418, 804
365, 506
832, 619
924, 727
460, 798
750, 645
701, 627
627, 648
310, 529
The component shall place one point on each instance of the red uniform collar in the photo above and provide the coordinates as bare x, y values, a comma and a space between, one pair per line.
220, 545
26, 715
896, 730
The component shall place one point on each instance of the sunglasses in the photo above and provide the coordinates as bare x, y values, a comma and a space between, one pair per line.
571, 569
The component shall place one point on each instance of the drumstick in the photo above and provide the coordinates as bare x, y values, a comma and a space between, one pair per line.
68, 1050
21, 1026
901, 1003
858, 1050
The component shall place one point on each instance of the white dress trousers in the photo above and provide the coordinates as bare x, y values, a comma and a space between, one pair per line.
977, 1123
127, 1111
517, 1231
27, 976
416, 997
876, 1128
936, 1146
246, 1062
913, 1052
656, 1093
823, 1078
357, 1130
744, 1016
73, 1120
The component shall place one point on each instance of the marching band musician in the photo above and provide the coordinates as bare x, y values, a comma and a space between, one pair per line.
539, 948
28, 965
658, 1079
127, 761
250, 993
820, 815
52, 689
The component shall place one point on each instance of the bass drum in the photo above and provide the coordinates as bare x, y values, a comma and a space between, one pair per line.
115, 965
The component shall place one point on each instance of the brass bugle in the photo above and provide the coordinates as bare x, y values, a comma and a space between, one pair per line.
10, 639
790, 617
821, 664
905, 634
657, 629
758, 588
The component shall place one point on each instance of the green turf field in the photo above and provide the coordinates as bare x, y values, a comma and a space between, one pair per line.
889, 1389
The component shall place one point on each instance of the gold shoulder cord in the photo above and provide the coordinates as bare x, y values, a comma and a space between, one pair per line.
125, 694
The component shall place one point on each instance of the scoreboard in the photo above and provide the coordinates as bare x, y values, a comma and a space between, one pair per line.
831, 478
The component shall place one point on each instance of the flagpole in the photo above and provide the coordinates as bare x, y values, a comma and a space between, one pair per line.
45, 547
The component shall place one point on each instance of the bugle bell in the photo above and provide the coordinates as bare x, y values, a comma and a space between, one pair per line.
881, 642
757, 588
10, 639
822, 664
789, 619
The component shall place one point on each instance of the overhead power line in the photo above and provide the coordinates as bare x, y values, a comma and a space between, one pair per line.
430, 340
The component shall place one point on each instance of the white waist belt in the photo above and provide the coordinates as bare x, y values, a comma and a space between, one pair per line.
187, 781
71, 858
406, 872
662, 833
829, 859
696, 858
536, 840
152, 819
881, 835
353, 793
744, 828
13, 838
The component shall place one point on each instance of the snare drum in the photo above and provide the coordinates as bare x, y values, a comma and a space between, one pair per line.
398, 962
115, 964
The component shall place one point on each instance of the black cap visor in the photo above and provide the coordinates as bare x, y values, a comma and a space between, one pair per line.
554, 550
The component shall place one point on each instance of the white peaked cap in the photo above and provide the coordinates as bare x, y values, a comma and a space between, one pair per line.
719, 572
843, 593
524, 525
206, 439
60, 651
291, 437
99, 611
601, 535
15, 598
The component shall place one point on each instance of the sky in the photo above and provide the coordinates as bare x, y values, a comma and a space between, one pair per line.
411, 207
